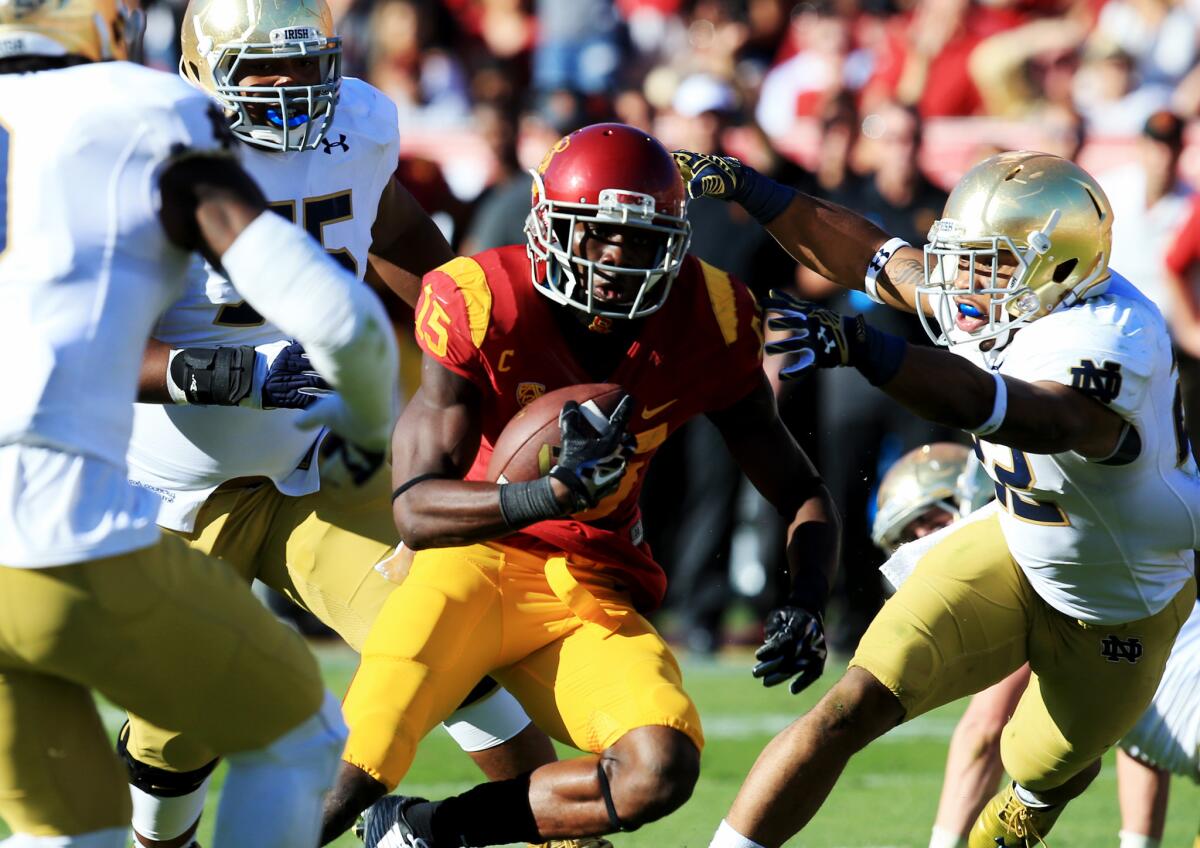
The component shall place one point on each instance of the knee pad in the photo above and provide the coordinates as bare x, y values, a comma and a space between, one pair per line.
113, 837
156, 781
486, 723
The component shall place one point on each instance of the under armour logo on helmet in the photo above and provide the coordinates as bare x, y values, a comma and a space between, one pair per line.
330, 145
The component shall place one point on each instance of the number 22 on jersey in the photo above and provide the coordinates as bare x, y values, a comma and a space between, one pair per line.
317, 214
1013, 484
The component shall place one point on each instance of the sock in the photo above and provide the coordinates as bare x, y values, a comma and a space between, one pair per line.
164, 819
727, 837
494, 813
942, 838
1136, 840
1030, 798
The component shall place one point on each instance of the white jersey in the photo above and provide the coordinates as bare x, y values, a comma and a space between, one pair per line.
1102, 542
85, 269
182, 453
1168, 733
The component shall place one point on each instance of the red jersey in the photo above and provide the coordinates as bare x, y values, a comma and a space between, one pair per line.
481, 318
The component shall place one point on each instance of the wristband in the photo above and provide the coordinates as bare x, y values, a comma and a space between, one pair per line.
877, 264
211, 376
877, 355
522, 504
811, 594
762, 197
999, 409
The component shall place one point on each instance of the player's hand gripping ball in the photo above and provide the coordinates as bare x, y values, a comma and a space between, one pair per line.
593, 452
794, 647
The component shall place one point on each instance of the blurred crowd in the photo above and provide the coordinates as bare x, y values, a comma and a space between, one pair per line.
876, 104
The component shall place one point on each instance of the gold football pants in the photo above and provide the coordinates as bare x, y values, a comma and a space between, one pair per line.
163, 631
319, 550
559, 636
968, 617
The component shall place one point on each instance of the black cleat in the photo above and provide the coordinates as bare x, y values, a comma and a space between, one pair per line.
384, 824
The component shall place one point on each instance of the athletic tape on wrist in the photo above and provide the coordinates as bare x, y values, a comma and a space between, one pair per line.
522, 504
999, 409
877, 263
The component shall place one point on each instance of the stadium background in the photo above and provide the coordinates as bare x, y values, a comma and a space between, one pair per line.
876, 104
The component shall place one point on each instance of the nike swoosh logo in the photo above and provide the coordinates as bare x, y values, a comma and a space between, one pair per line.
650, 412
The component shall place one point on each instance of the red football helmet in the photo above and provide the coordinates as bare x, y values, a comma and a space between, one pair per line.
611, 175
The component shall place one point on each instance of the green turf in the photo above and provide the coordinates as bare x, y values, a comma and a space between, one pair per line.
886, 797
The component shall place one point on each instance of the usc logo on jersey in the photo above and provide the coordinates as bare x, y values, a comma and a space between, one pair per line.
527, 393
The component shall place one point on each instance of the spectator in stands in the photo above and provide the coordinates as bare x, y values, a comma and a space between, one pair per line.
1183, 313
801, 85
576, 47
1151, 204
428, 84
1107, 93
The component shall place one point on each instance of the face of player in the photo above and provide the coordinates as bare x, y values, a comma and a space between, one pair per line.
276, 73
971, 310
623, 247
930, 521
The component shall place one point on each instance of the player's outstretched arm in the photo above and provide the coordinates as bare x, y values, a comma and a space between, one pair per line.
211, 205
837, 243
779, 469
405, 243
1042, 417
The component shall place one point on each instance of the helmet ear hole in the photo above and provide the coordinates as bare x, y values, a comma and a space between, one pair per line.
1064, 269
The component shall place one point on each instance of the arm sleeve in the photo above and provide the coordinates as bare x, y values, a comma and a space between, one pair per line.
287, 277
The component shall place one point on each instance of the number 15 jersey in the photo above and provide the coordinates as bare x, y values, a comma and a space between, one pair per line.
184, 452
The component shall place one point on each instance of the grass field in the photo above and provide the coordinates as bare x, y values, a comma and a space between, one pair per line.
886, 797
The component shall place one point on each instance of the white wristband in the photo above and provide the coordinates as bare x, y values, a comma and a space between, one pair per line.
178, 396
999, 409
877, 263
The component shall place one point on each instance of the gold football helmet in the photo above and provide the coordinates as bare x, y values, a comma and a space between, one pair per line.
97, 30
1046, 213
926, 477
219, 35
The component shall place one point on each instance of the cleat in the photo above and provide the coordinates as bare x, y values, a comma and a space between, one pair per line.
384, 824
1006, 822
585, 842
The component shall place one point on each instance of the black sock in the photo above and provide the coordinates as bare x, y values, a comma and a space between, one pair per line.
490, 814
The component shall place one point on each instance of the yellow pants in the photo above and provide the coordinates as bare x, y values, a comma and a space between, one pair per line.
320, 550
163, 631
566, 642
968, 617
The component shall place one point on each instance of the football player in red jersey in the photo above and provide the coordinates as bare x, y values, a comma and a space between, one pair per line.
545, 583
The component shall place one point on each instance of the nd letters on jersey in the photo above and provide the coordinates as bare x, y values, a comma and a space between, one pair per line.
481, 318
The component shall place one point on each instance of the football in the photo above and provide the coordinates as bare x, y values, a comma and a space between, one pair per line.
526, 447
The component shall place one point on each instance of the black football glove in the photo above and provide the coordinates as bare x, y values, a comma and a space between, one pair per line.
817, 336
289, 381
591, 461
794, 646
